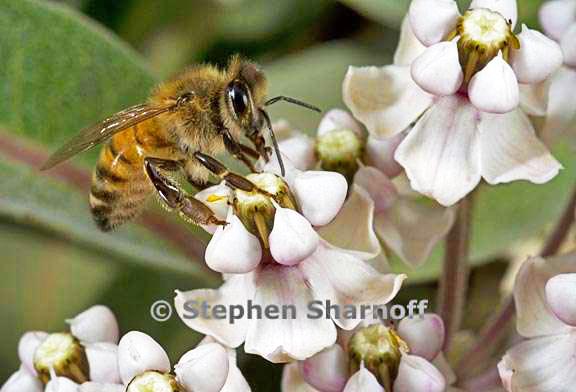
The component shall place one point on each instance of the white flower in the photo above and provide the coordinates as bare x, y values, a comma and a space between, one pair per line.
90, 347
409, 228
545, 297
558, 18
411, 356
297, 267
465, 83
210, 367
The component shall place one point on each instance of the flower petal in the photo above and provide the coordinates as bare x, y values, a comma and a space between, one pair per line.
27, 346
216, 198
534, 317
292, 380
96, 324
137, 353
22, 381
569, 46
338, 119
424, 335
437, 70
381, 189
561, 297
409, 47
557, 16
441, 155
98, 387
561, 106
417, 374
326, 371
495, 89
537, 58
352, 229
203, 369
320, 195
236, 291
103, 362
433, 20
545, 364
506, 374
379, 153
363, 381
386, 100
511, 151
235, 382
412, 229
507, 8
247, 250
534, 98
61, 384
292, 335
292, 238
300, 149
344, 279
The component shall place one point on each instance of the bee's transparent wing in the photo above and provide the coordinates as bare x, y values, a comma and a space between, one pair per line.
98, 133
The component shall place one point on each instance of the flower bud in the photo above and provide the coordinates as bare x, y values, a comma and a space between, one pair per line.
203, 369
63, 353
138, 353
153, 381
103, 362
22, 381
27, 346
96, 324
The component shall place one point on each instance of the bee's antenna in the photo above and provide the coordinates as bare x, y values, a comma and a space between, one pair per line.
274, 141
294, 101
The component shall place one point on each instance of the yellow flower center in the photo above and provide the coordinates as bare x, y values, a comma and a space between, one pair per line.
339, 151
63, 353
153, 381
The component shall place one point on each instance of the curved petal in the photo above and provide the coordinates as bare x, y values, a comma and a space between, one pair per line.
556, 16
546, 364
363, 381
287, 333
103, 362
424, 335
352, 229
537, 58
412, 229
511, 150
96, 324
203, 369
561, 297
534, 317
27, 346
561, 105
534, 98
495, 89
507, 8
386, 100
379, 153
417, 374
235, 292
320, 195
326, 371
22, 381
381, 189
433, 20
409, 47
300, 149
247, 250
99, 387
216, 198
138, 353
338, 119
292, 380
437, 70
292, 238
344, 279
441, 155
569, 46
235, 382
61, 384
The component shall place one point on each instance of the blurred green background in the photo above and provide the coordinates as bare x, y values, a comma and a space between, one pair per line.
66, 64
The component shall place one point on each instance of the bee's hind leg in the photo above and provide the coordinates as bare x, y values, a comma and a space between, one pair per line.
176, 198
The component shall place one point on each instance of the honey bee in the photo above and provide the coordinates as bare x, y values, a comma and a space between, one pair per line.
202, 112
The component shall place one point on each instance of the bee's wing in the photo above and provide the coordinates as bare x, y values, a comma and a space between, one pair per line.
98, 133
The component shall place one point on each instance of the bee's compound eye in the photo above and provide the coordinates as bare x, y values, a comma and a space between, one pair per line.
239, 98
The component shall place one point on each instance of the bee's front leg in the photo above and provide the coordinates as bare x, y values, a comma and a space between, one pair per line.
239, 151
176, 198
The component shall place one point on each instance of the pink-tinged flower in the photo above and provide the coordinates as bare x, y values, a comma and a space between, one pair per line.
461, 88
272, 255
558, 18
376, 358
545, 297
409, 228
65, 359
145, 367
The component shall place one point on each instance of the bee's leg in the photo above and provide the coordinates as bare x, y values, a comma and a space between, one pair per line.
233, 180
176, 198
174, 166
260, 144
235, 148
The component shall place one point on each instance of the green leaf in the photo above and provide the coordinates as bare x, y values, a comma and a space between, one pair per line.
387, 12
